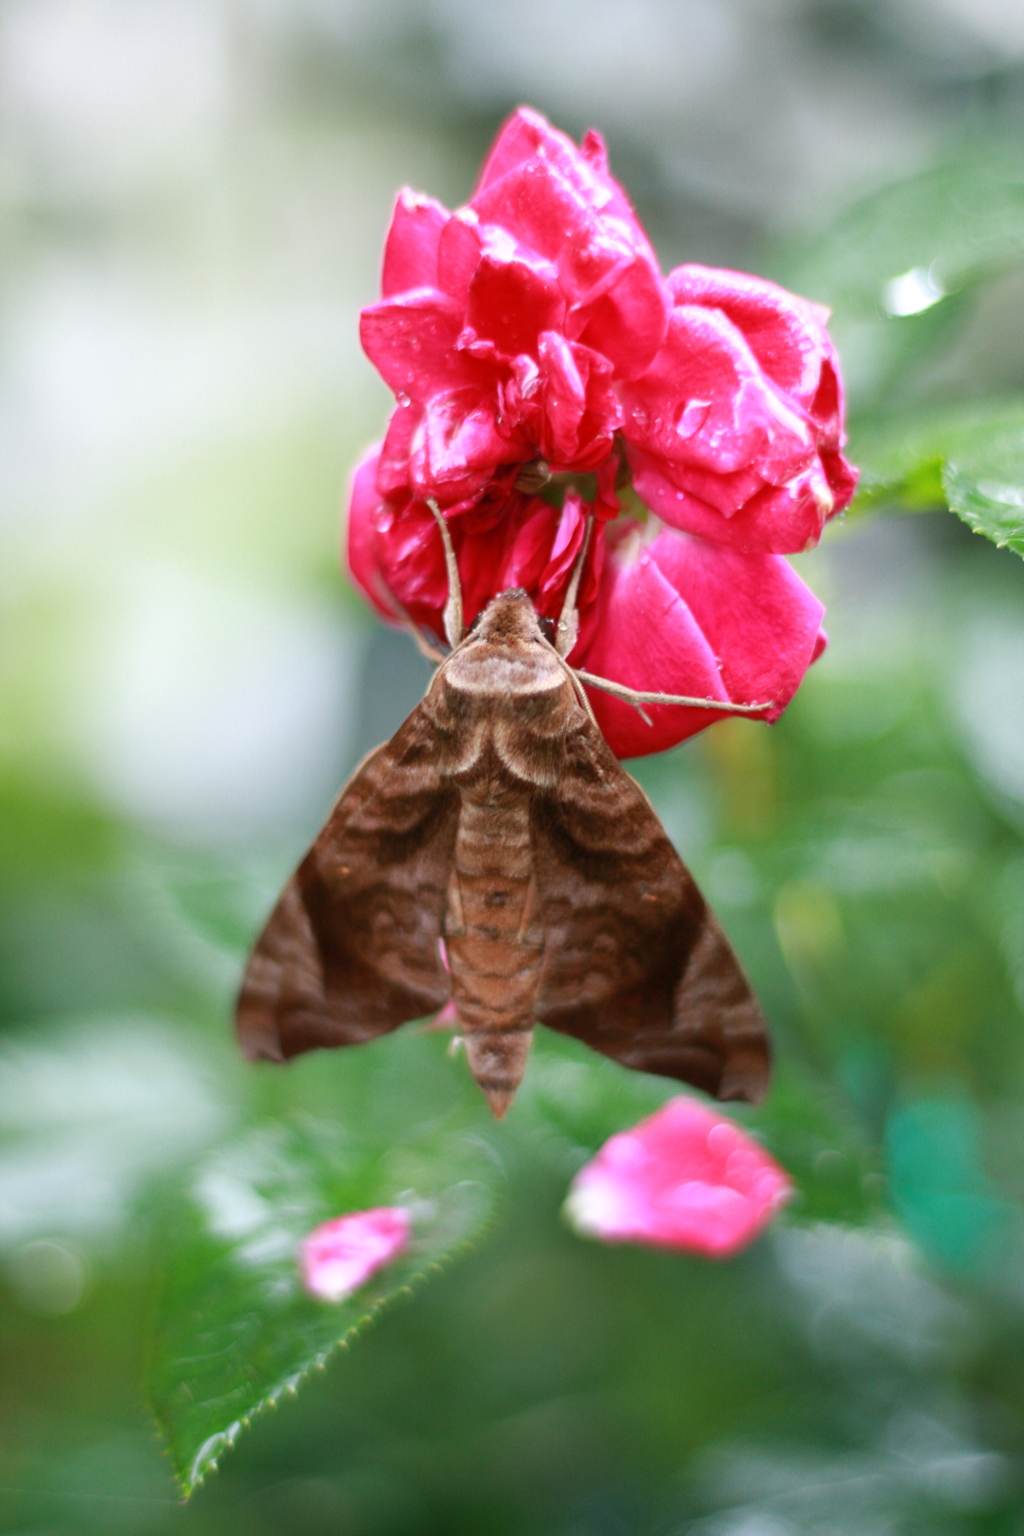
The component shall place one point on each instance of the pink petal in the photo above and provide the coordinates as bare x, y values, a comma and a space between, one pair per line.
512, 300
411, 342
361, 541
686, 1178
410, 252
574, 372
761, 621
457, 443
339, 1256
527, 135
538, 206
624, 312
642, 633
607, 271
774, 520
704, 402
395, 554
458, 253
786, 334
526, 560
563, 394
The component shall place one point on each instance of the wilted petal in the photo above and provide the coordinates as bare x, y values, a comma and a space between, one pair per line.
686, 1178
410, 252
339, 1256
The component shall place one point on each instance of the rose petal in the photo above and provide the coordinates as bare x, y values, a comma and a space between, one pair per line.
361, 534
512, 300
410, 251
411, 340
641, 633
456, 445
686, 1178
618, 304
775, 519
340, 1255
786, 334
760, 620
743, 421
527, 135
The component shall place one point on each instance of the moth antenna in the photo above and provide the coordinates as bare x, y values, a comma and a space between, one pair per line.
568, 626
453, 624
636, 697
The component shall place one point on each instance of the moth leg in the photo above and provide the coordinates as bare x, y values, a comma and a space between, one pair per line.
454, 924
419, 639
453, 617
568, 626
636, 697
423, 645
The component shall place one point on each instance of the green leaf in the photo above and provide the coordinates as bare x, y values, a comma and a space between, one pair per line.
900, 268
969, 458
953, 224
236, 1330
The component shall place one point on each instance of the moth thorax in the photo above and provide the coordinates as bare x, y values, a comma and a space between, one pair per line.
492, 674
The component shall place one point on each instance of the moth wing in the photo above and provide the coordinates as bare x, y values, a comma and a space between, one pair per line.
351, 949
636, 964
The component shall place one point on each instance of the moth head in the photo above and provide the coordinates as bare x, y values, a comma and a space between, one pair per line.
510, 619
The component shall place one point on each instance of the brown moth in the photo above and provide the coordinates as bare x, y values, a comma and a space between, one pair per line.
494, 854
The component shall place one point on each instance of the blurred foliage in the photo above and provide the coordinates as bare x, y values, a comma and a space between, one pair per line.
909, 272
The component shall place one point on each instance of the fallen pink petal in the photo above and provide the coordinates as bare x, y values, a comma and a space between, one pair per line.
340, 1255
686, 1178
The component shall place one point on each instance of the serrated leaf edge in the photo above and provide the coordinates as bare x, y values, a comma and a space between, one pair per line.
207, 1457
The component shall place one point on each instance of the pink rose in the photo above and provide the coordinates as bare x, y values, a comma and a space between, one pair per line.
669, 613
685, 1178
734, 431
533, 325
504, 326
340, 1255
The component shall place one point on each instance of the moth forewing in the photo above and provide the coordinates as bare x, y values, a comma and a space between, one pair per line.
498, 824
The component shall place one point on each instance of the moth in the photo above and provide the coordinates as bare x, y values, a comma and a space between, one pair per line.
495, 856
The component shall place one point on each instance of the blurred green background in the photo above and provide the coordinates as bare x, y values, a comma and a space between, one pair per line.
193, 196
